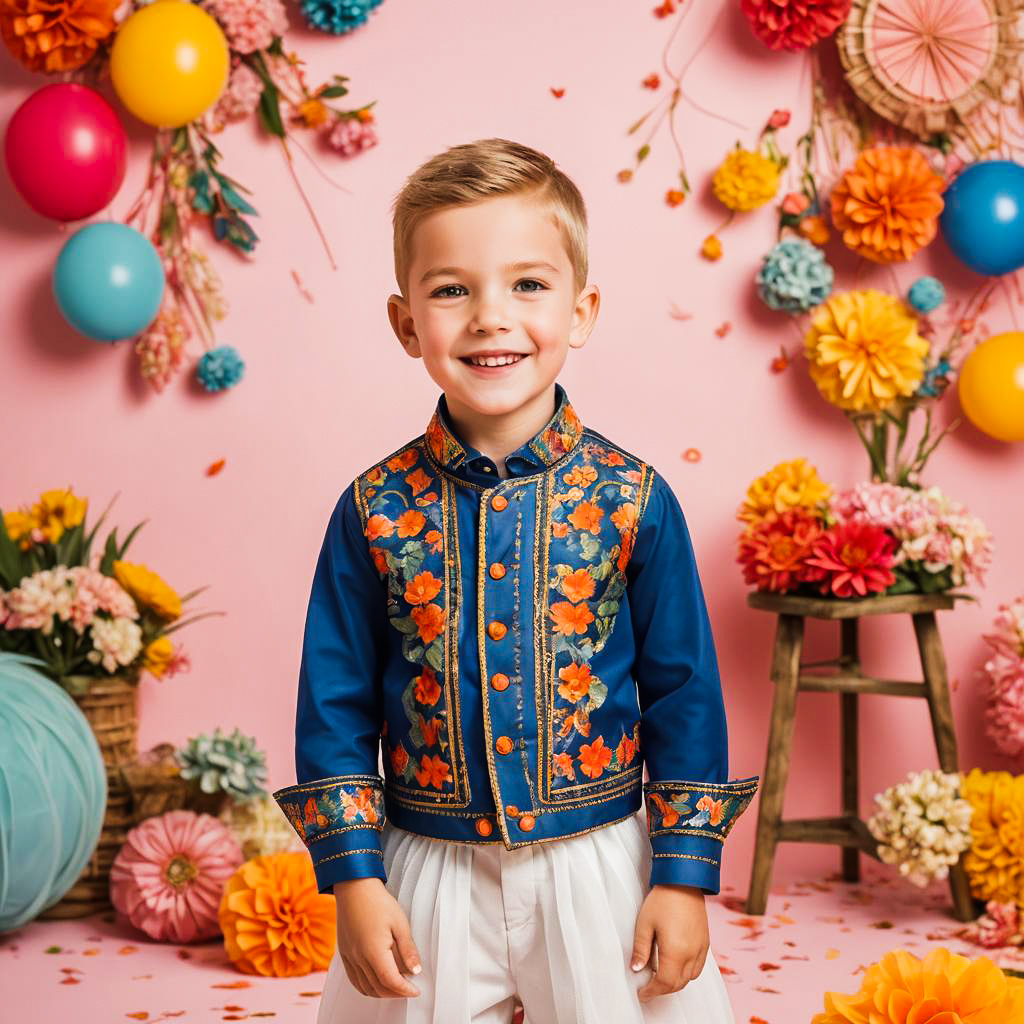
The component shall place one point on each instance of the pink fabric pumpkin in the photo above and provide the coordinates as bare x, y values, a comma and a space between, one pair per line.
168, 877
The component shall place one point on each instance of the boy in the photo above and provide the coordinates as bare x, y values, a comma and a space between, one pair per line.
510, 605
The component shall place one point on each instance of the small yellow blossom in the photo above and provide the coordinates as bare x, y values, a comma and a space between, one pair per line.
148, 589
157, 656
712, 248
745, 180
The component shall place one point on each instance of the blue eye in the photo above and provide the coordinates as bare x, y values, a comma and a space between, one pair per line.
540, 287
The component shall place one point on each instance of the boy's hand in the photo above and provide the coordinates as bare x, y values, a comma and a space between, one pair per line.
374, 939
674, 917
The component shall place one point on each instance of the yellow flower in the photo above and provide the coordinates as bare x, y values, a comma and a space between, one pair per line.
148, 589
712, 248
944, 986
19, 525
864, 350
793, 484
995, 861
745, 180
157, 656
57, 511
313, 113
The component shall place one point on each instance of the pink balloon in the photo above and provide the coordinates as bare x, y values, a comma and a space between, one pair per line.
65, 151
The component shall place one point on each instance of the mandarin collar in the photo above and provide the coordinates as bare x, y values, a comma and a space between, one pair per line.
555, 439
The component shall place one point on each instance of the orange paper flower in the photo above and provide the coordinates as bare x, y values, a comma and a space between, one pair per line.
888, 205
274, 921
60, 35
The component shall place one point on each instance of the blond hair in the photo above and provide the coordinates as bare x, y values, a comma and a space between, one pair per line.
485, 169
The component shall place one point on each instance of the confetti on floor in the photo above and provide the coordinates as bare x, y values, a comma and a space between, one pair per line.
815, 935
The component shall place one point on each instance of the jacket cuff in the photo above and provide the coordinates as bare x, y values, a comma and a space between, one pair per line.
339, 820
687, 823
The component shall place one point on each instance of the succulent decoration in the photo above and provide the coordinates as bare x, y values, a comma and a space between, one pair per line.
225, 764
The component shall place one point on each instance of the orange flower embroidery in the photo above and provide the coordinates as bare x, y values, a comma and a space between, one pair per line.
430, 619
379, 526
576, 683
594, 758
404, 460
410, 523
433, 539
399, 759
417, 480
713, 807
564, 767
559, 529
423, 587
612, 458
580, 476
429, 730
432, 772
586, 516
426, 499
375, 477
570, 618
669, 816
427, 690
625, 751
578, 585
380, 559
624, 517
365, 805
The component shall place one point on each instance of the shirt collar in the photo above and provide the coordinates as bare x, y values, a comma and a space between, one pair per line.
555, 439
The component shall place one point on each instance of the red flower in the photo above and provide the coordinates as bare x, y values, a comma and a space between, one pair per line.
794, 24
774, 553
856, 556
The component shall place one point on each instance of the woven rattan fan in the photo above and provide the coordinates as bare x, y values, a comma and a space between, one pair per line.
926, 64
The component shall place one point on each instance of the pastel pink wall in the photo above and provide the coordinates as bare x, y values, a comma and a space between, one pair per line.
328, 390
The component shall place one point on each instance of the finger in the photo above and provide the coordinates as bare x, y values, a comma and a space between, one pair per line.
358, 977
666, 978
385, 971
406, 953
642, 938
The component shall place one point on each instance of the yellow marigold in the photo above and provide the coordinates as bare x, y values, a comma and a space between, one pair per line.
944, 986
148, 589
864, 350
157, 656
745, 180
888, 205
19, 525
995, 861
793, 484
56, 35
57, 511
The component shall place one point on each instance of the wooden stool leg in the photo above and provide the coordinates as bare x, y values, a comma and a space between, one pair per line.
785, 675
933, 664
848, 727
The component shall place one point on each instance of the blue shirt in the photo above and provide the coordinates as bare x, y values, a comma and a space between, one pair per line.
515, 653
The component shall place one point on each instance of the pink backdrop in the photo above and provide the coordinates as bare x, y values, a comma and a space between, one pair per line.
328, 389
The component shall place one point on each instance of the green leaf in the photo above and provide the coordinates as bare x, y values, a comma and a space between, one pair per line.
131, 536
434, 655
234, 200
270, 110
332, 92
10, 558
642, 153
597, 693
608, 608
405, 624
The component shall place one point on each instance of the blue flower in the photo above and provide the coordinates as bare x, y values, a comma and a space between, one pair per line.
933, 382
926, 294
336, 16
794, 277
220, 368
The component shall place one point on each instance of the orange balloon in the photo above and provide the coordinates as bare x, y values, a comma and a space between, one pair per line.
991, 386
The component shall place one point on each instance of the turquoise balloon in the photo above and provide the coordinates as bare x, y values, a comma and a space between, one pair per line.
53, 791
108, 281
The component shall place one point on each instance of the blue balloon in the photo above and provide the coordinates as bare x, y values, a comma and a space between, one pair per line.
983, 220
108, 281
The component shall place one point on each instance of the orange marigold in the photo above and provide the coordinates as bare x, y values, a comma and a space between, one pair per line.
59, 35
888, 205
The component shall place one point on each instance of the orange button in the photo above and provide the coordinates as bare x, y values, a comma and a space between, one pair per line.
497, 570
484, 827
526, 822
496, 630
512, 811
499, 502
503, 745
499, 681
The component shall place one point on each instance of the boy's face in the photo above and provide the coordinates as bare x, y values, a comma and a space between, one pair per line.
493, 277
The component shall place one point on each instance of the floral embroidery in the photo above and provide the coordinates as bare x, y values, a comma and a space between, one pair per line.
697, 808
319, 809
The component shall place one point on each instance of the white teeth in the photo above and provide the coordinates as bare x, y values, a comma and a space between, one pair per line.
494, 360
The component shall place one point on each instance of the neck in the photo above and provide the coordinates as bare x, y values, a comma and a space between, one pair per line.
499, 436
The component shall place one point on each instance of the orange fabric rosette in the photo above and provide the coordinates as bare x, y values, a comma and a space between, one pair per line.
55, 35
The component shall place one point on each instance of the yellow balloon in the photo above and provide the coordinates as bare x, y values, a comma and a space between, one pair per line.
991, 386
169, 62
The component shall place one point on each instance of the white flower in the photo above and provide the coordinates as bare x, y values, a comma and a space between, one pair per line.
116, 642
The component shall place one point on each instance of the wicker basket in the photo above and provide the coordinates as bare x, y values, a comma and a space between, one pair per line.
111, 706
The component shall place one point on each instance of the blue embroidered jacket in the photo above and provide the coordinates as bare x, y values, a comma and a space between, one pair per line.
520, 648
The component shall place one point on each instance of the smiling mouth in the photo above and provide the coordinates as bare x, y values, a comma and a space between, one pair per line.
494, 362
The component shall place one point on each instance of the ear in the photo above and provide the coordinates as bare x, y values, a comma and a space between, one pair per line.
403, 325
584, 315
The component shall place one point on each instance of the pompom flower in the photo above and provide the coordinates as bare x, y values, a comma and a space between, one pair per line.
169, 876
922, 825
856, 557
56, 35
794, 24
926, 294
275, 923
794, 277
336, 16
864, 351
943, 988
351, 135
250, 25
1005, 670
995, 861
745, 180
161, 347
887, 207
793, 484
774, 553
239, 99
220, 368
148, 589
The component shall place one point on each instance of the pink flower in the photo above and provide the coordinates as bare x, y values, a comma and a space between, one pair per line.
238, 101
350, 136
795, 203
250, 25
794, 24
161, 347
856, 557
779, 119
998, 926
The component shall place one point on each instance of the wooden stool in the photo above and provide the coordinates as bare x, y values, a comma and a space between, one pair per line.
847, 830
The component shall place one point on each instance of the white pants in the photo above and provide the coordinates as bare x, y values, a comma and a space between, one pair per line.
552, 922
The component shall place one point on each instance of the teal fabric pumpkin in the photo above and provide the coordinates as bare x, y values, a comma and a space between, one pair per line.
53, 791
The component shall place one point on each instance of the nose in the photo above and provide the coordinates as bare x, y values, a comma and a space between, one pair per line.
489, 316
